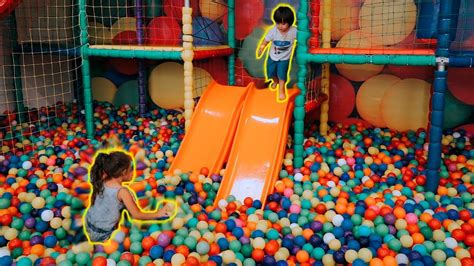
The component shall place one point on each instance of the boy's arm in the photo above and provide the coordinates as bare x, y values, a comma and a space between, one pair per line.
128, 200
262, 46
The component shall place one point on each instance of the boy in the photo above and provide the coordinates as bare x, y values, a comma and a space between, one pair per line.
282, 37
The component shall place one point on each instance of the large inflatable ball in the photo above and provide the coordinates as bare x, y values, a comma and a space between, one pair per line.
387, 22
163, 31
344, 17
248, 14
355, 39
369, 98
207, 32
405, 105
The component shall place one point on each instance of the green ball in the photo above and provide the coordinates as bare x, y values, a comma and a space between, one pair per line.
70, 256
426, 232
60, 233
381, 230
273, 234
24, 262
124, 263
202, 248
395, 244
99, 254
235, 246
115, 256
178, 240
249, 262
317, 253
190, 242
25, 208
83, 258
136, 248
4, 203
65, 263
144, 261
136, 237
24, 235
246, 250
17, 252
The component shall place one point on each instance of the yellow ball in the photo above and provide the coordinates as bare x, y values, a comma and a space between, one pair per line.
328, 260
453, 262
350, 255
344, 17
178, 259
228, 256
11, 233
406, 241
439, 235
103, 89
258, 243
335, 244
212, 9
369, 98
56, 222
38, 203
365, 254
438, 255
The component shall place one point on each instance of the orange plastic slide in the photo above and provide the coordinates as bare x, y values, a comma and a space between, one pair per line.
214, 121
259, 145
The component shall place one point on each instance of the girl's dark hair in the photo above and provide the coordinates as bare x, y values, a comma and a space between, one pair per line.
284, 14
106, 167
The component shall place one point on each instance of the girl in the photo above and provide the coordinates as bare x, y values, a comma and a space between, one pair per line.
110, 196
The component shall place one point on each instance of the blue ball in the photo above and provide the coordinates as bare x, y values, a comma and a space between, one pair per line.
268, 261
299, 241
359, 262
216, 259
257, 204
364, 230
6, 260
257, 233
230, 225
168, 255
281, 263
156, 252
353, 244
223, 243
287, 243
50, 241
238, 232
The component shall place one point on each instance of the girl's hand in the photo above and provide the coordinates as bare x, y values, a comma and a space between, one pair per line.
166, 211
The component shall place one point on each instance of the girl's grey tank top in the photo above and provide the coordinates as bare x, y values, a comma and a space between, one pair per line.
106, 210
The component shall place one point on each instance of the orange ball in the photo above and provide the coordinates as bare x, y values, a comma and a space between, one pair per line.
272, 247
399, 212
37, 249
302, 256
389, 261
182, 249
376, 262
148, 242
258, 254
99, 261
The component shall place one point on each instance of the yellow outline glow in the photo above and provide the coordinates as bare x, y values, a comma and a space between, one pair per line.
257, 56
125, 212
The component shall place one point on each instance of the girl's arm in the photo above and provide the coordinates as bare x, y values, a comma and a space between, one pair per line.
125, 195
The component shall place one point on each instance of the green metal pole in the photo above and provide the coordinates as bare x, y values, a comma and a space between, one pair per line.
86, 75
299, 112
231, 40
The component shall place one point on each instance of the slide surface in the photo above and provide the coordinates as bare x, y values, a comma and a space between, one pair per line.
214, 121
258, 148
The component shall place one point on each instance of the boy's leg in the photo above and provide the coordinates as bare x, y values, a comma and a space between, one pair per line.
272, 73
282, 72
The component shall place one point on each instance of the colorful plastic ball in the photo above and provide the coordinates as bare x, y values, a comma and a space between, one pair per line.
163, 240
178, 259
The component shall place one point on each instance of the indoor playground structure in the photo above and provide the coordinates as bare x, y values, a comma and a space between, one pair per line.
369, 161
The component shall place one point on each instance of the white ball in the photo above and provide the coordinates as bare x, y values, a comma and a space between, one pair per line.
456, 135
298, 177
331, 184
341, 162
401, 259
328, 237
451, 242
337, 220
26, 165
111, 262
4, 252
47, 215
120, 236
222, 204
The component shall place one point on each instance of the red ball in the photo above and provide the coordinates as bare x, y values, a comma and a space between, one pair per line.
458, 234
99, 261
465, 215
148, 242
272, 247
258, 254
6, 219
248, 202
467, 262
469, 240
128, 257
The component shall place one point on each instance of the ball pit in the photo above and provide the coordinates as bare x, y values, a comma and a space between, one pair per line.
358, 199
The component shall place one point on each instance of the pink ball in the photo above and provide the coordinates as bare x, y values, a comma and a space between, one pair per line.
238, 222
288, 192
295, 209
51, 162
411, 218
350, 161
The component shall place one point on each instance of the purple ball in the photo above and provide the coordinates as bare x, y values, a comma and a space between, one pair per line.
57, 213
295, 250
163, 240
99, 248
30, 223
316, 226
216, 178
389, 219
268, 260
244, 240
80, 171
201, 200
36, 240
392, 230
141, 165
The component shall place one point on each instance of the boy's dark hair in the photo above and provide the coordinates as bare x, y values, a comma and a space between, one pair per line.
284, 14
106, 167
